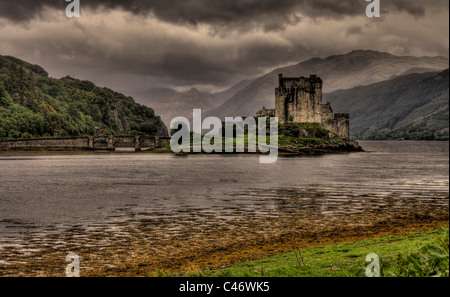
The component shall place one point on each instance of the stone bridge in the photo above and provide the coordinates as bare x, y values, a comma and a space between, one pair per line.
87, 143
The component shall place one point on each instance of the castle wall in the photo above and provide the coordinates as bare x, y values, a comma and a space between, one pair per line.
299, 100
327, 112
340, 124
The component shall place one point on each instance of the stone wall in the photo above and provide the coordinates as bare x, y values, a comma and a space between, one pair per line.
327, 112
299, 99
340, 124
86, 143
51, 143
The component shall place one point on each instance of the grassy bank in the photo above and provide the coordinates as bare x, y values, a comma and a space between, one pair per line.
413, 255
293, 137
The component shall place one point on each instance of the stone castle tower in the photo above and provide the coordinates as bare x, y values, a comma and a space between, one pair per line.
299, 100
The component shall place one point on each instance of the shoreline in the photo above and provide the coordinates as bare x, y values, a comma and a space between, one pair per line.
348, 259
217, 258
281, 151
350, 146
240, 252
190, 251
290, 145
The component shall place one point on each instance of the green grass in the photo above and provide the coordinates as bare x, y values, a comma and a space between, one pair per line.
304, 135
419, 254
301, 142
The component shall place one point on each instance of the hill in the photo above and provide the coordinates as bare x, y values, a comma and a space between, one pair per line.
35, 105
182, 103
338, 72
413, 107
154, 95
173, 104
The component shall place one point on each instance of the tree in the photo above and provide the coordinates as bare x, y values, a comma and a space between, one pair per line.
5, 99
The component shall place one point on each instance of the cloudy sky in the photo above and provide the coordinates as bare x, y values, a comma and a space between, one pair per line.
136, 45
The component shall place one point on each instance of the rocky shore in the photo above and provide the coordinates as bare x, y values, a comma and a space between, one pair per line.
342, 146
195, 240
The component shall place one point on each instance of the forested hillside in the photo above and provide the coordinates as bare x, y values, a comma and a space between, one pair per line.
34, 105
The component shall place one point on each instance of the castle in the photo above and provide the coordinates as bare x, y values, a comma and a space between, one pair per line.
299, 100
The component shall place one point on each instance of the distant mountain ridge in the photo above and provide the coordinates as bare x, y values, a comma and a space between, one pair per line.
176, 104
154, 95
338, 72
413, 107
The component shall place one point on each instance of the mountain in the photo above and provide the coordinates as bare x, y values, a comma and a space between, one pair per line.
338, 72
414, 106
182, 103
35, 105
416, 70
222, 97
154, 95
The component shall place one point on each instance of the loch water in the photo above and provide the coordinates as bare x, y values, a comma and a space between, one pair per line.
47, 194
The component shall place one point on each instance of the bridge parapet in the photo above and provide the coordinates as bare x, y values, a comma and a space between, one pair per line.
87, 143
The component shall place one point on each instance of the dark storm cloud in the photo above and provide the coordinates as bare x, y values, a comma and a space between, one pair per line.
269, 13
132, 45
413, 7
